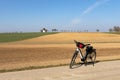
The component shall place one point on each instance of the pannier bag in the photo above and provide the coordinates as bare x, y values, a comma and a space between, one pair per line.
89, 48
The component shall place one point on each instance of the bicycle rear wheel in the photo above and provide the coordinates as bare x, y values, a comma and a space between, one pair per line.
91, 57
73, 59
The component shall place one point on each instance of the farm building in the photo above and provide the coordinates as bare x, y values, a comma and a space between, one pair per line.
44, 30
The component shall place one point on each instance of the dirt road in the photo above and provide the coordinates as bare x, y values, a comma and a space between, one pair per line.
101, 71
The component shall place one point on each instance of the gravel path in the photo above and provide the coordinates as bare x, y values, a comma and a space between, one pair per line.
109, 70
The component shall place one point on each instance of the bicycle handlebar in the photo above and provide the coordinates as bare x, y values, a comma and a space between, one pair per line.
81, 43
75, 41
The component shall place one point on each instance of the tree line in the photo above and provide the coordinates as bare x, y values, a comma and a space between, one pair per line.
115, 29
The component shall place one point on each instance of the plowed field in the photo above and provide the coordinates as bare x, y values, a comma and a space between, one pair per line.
56, 49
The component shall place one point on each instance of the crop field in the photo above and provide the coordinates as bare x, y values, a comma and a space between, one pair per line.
67, 38
11, 37
56, 49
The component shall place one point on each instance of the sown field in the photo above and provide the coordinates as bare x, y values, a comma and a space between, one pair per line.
67, 38
11, 37
56, 49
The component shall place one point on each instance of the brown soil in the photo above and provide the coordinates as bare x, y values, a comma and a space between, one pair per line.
56, 49
43, 56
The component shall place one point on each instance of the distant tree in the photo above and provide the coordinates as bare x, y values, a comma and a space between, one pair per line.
97, 30
110, 30
54, 30
116, 28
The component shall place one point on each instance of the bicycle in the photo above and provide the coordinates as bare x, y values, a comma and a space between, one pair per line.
89, 56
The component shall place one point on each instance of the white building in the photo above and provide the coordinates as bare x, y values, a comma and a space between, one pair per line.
44, 30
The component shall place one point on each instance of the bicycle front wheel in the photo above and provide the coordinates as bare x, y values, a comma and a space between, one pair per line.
73, 59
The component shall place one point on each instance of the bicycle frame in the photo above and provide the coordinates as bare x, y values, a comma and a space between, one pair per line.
80, 53
89, 56
79, 50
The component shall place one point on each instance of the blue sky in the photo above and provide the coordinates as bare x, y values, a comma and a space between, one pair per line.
32, 15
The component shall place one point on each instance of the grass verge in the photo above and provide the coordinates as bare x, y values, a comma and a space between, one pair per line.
30, 68
113, 33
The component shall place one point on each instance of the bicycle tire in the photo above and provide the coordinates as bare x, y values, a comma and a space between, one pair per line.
91, 57
73, 59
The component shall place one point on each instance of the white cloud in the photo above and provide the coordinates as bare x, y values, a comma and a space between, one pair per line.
88, 10
92, 7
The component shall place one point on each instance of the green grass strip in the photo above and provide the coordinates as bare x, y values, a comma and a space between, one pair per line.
113, 33
11, 37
